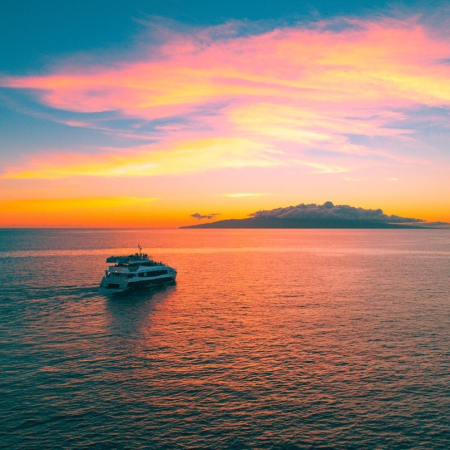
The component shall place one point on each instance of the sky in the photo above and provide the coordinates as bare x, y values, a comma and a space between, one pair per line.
171, 113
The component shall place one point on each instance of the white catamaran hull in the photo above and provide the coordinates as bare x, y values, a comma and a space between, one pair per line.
118, 284
135, 271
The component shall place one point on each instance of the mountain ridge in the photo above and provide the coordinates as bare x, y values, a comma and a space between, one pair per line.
255, 222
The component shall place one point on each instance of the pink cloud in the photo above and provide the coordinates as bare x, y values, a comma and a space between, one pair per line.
290, 89
389, 62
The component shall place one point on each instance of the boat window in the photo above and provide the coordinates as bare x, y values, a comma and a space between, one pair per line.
156, 273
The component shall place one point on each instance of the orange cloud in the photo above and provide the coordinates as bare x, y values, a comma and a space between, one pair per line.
178, 158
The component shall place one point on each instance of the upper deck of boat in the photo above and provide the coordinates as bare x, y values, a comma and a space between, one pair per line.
133, 261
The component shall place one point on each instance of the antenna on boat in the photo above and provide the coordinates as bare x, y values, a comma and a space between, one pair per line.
140, 248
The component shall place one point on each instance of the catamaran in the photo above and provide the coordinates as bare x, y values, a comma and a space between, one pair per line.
135, 271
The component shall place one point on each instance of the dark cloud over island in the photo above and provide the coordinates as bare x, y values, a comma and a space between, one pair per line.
333, 213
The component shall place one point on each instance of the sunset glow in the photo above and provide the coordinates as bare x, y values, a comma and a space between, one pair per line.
348, 109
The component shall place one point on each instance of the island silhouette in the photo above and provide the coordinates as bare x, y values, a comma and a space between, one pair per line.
313, 215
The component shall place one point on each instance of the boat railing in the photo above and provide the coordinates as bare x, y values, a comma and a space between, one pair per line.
127, 259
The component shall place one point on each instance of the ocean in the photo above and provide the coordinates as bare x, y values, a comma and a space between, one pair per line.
271, 339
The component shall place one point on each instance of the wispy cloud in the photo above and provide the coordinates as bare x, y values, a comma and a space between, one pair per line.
144, 161
323, 99
210, 65
204, 216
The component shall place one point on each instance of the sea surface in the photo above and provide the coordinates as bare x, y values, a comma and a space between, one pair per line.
271, 339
